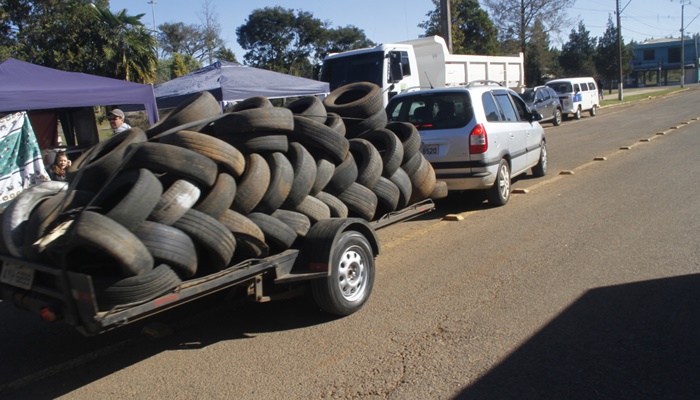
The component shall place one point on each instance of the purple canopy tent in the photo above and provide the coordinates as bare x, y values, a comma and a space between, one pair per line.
25, 86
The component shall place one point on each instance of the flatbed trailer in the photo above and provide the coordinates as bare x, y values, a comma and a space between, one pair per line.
336, 258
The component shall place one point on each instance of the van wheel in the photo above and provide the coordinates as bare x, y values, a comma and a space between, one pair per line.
578, 113
350, 282
499, 193
593, 111
540, 169
557, 117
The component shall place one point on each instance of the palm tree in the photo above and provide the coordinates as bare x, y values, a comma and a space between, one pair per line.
127, 47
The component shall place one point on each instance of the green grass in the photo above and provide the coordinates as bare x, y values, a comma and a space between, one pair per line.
628, 98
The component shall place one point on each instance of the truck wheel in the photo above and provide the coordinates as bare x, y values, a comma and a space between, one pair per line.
557, 117
540, 169
499, 193
351, 278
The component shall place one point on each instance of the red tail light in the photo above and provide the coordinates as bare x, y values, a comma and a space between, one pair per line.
478, 141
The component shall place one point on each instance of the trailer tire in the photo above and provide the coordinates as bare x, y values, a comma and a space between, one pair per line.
253, 184
361, 201
313, 208
309, 107
181, 162
216, 149
170, 246
175, 202
344, 175
219, 198
388, 195
299, 222
337, 207
408, 136
349, 284
216, 239
304, 167
315, 135
358, 100
369, 162
403, 182
324, 173
278, 235
250, 238
110, 293
129, 198
413, 164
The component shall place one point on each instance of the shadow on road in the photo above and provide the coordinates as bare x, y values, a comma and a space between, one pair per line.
633, 341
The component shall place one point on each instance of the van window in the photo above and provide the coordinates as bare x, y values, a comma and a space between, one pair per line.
490, 108
506, 106
576, 88
561, 87
521, 107
591, 86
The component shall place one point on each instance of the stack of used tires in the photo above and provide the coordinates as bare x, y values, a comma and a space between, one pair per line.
143, 211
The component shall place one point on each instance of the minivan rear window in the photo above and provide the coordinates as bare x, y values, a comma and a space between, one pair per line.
561, 87
433, 110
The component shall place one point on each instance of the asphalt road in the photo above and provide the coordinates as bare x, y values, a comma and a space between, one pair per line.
582, 288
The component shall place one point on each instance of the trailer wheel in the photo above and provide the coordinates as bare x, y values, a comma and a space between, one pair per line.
351, 278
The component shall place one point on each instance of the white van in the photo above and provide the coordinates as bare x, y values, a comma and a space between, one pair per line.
576, 95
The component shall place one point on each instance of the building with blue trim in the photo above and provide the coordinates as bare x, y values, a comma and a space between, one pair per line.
657, 62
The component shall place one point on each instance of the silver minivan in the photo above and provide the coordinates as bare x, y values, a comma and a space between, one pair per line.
476, 137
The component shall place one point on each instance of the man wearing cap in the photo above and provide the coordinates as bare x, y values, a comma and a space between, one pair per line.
116, 121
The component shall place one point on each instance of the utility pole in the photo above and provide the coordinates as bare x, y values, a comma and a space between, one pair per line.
155, 31
619, 43
446, 23
683, 3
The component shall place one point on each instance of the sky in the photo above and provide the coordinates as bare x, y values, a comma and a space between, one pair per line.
386, 21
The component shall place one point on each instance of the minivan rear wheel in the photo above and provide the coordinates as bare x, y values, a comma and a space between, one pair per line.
593, 111
499, 193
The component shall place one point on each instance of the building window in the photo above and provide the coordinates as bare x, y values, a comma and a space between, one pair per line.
674, 55
649, 55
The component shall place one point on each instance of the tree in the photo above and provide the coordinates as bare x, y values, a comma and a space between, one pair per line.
516, 18
280, 39
578, 53
211, 31
539, 59
473, 32
607, 53
225, 54
336, 40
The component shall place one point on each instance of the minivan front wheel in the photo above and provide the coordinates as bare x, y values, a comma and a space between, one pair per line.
499, 193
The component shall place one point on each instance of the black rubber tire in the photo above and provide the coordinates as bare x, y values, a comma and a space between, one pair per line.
262, 119
178, 161
216, 149
299, 222
344, 175
361, 201
577, 114
281, 180
97, 164
304, 167
356, 127
592, 111
111, 293
309, 107
199, 106
389, 147
324, 173
440, 191
337, 207
278, 235
18, 211
423, 181
253, 184
359, 100
219, 198
408, 135
257, 142
413, 164
315, 135
388, 196
129, 198
170, 246
499, 193
252, 102
335, 122
250, 238
93, 233
349, 284
216, 240
403, 182
540, 169
181, 196
558, 118
313, 208
368, 160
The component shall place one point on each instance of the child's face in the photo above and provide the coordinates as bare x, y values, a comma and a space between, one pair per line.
62, 162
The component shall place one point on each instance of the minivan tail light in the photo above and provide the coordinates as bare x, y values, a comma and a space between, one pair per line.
478, 141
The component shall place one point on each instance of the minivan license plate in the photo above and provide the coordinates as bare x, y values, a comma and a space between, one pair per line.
430, 149
17, 275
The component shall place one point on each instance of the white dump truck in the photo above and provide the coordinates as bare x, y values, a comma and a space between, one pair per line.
419, 63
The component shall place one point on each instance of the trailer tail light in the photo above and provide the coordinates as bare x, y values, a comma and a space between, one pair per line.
48, 315
478, 140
